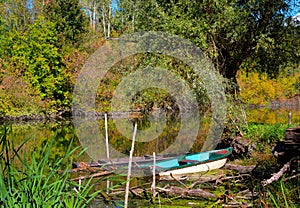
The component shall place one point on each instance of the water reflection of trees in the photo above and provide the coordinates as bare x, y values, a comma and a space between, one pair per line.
272, 116
156, 133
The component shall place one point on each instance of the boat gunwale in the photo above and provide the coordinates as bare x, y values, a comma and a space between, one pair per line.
223, 156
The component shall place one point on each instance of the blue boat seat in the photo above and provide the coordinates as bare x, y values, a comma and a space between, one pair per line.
201, 157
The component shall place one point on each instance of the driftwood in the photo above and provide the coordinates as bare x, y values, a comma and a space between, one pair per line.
184, 192
235, 177
82, 166
95, 175
277, 175
190, 177
291, 177
202, 180
239, 168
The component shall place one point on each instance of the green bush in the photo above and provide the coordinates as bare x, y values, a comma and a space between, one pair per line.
33, 55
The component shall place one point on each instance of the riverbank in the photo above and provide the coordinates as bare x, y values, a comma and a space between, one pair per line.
293, 102
44, 117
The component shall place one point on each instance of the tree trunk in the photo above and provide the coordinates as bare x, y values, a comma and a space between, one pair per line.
290, 148
94, 16
103, 19
108, 22
229, 71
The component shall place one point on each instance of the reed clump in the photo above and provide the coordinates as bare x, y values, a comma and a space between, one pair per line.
27, 181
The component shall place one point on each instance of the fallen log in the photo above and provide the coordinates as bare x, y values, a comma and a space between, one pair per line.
206, 180
175, 191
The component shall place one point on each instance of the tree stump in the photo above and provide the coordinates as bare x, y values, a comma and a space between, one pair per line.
290, 147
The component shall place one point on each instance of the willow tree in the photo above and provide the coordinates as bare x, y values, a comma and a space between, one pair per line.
232, 33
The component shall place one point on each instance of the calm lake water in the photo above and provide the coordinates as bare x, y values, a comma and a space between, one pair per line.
162, 133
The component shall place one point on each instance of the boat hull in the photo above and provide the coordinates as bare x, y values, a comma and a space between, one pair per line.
195, 168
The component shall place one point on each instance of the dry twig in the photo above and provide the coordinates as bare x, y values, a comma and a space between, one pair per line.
104, 173
277, 175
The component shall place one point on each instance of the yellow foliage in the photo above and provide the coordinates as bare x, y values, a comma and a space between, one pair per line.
259, 89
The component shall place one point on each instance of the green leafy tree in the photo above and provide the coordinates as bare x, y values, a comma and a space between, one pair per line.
233, 33
71, 22
33, 54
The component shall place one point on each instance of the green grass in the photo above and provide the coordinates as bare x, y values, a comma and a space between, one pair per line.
268, 133
282, 194
26, 181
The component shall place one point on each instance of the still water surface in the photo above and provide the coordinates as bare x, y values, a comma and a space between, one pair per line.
161, 138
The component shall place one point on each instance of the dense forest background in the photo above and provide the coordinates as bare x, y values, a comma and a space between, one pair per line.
44, 44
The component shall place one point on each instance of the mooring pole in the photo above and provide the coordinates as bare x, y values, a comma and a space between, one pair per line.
153, 186
129, 167
107, 147
106, 136
290, 118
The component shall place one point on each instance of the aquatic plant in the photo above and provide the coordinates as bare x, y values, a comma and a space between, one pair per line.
26, 181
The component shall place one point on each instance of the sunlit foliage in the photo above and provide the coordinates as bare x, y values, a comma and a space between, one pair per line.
258, 89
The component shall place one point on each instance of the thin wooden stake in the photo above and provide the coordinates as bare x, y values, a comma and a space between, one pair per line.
107, 147
153, 186
129, 167
106, 136
290, 118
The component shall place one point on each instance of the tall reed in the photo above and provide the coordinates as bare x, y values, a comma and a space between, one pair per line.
36, 183
284, 194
